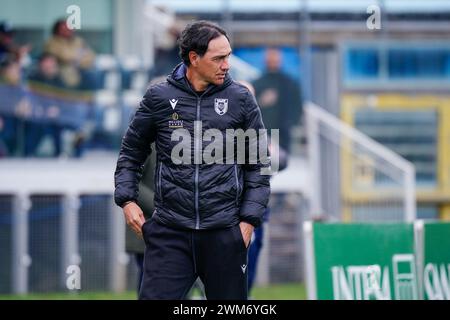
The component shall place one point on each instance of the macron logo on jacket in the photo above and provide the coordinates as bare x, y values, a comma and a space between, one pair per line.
173, 103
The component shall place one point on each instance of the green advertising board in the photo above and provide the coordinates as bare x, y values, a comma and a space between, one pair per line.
400, 261
364, 261
436, 271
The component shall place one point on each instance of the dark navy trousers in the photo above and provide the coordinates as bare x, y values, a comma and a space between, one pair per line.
175, 258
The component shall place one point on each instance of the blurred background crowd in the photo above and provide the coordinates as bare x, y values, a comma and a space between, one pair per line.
66, 90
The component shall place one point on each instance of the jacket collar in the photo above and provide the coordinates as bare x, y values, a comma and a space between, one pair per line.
178, 78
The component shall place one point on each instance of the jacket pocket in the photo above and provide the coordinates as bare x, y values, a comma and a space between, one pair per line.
240, 238
144, 225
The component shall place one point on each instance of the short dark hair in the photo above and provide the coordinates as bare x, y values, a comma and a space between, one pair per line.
57, 24
196, 37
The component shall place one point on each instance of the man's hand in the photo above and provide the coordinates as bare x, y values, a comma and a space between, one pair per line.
247, 232
134, 217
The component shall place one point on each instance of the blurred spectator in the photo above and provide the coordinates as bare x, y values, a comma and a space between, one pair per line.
46, 73
10, 72
10, 75
167, 55
73, 55
7, 45
279, 98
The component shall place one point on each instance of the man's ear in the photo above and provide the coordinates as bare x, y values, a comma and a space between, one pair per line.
193, 58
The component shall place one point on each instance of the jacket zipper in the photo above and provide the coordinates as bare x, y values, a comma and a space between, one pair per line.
196, 151
238, 187
197, 166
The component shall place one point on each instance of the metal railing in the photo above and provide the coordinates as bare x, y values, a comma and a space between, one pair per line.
56, 214
355, 178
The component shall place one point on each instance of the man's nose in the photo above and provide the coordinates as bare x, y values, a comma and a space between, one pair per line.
225, 64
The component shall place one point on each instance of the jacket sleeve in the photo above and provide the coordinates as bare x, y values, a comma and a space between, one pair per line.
256, 186
133, 152
146, 187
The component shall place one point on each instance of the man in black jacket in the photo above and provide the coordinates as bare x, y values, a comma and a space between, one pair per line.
279, 97
205, 212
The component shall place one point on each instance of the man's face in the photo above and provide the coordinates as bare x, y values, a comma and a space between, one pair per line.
273, 59
214, 64
64, 31
49, 67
